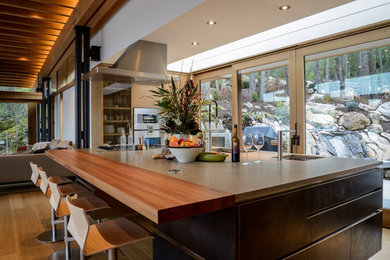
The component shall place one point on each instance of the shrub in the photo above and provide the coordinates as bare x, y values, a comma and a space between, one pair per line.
216, 95
255, 97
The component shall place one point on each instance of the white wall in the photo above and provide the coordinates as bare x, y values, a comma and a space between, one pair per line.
68, 115
135, 20
57, 117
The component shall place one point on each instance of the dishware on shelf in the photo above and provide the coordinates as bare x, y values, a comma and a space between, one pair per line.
258, 143
186, 154
247, 143
109, 129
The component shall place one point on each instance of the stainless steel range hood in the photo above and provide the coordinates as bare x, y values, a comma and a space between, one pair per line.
142, 62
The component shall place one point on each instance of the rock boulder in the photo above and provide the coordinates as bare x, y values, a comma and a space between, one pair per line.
354, 121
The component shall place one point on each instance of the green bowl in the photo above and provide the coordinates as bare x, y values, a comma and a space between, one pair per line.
211, 157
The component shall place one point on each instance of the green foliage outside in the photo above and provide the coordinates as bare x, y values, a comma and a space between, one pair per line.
254, 97
216, 95
14, 121
351, 65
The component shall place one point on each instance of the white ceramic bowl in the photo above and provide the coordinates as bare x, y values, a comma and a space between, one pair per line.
185, 154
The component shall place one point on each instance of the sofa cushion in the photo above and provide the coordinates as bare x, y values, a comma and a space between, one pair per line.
40, 146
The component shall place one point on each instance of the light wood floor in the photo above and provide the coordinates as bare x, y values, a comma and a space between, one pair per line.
24, 215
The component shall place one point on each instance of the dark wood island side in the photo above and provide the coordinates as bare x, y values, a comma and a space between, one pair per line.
327, 208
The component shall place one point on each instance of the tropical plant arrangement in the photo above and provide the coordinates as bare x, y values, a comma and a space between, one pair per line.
178, 107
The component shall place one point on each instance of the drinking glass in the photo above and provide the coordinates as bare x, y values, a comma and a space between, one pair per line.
258, 143
247, 142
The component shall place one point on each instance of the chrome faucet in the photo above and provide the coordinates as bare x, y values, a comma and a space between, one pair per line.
216, 123
280, 142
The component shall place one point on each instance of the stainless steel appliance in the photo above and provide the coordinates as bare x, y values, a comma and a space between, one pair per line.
147, 126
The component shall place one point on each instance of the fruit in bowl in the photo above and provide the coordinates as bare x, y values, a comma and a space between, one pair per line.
185, 151
175, 142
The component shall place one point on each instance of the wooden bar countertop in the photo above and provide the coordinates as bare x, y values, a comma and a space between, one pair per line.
158, 197
145, 185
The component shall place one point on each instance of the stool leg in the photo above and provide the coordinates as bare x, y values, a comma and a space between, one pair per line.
66, 235
53, 224
53, 235
112, 254
81, 254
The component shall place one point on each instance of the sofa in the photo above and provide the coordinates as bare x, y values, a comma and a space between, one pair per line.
16, 168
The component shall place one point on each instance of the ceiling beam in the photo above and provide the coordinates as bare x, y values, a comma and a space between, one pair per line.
25, 46
19, 65
19, 12
13, 69
13, 80
29, 28
20, 51
40, 7
65, 3
16, 39
29, 35
83, 12
29, 56
18, 73
29, 20
16, 76
19, 96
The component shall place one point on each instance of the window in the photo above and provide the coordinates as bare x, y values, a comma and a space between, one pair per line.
265, 101
218, 89
348, 103
13, 127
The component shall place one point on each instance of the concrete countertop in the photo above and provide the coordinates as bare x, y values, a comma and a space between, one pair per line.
247, 182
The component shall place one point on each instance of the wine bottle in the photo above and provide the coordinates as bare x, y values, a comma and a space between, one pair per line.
235, 146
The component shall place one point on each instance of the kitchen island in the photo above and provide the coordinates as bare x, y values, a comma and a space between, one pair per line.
325, 208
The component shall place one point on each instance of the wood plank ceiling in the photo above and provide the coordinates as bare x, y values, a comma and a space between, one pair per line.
28, 30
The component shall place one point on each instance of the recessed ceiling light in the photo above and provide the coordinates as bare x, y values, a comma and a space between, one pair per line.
211, 22
23, 59
284, 7
195, 43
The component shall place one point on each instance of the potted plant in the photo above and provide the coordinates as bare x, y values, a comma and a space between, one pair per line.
179, 108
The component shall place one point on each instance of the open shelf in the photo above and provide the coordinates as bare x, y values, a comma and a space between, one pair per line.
112, 134
116, 121
117, 108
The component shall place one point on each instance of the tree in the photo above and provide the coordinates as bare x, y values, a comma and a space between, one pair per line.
262, 85
252, 83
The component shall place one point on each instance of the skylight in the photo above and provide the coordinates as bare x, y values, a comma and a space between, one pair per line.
346, 17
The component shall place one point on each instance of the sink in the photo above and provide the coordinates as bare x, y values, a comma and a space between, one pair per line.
300, 157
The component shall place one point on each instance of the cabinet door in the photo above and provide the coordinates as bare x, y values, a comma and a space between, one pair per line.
273, 227
335, 247
366, 238
357, 242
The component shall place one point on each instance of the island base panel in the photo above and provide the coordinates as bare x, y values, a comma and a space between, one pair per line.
289, 225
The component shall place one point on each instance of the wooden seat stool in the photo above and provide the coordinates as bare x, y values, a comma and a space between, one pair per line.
105, 236
88, 203
54, 235
48, 236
